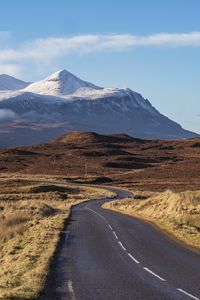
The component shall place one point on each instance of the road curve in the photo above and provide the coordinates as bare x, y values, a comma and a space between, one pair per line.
105, 255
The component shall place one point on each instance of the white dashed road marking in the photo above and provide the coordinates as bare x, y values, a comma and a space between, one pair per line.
110, 227
96, 213
133, 258
122, 246
115, 235
71, 290
189, 295
154, 274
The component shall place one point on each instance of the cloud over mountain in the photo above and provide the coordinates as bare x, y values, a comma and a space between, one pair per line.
45, 49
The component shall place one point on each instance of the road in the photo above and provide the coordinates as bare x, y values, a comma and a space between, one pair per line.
109, 256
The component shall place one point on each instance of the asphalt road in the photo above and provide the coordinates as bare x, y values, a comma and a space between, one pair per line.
109, 256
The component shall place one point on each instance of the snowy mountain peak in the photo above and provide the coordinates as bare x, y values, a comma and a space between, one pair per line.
60, 83
11, 83
60, 75
63, 102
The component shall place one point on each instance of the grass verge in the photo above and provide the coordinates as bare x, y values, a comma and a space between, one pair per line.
178, 214
32, 215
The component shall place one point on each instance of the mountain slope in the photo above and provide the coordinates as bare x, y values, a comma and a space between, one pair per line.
63, 103
11, 83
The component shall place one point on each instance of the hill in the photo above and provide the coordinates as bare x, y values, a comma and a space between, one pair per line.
142, 164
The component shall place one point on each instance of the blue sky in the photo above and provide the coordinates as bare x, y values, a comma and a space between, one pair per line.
150, 46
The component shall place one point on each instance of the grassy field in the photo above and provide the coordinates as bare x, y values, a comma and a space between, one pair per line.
178, 214
32, 216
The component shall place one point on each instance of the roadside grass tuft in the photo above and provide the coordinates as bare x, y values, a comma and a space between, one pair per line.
32, 215
177, 213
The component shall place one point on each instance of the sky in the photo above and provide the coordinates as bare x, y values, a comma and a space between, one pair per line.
150, 46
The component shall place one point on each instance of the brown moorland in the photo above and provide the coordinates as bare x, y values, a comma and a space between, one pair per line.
125, 161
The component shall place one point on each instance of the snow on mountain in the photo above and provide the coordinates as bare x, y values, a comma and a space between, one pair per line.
117, 95
61, 83
8, 82
65, 86
62, 102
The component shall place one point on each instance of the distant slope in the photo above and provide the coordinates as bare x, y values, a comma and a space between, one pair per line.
11, 83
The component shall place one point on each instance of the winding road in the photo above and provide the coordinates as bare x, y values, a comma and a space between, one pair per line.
109, 256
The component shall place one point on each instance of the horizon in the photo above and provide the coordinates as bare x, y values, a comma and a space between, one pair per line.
154, 46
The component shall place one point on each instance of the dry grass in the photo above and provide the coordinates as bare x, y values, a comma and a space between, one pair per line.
31, 218
176, 213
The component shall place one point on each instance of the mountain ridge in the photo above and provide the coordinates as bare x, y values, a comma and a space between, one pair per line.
62, 102
8, 82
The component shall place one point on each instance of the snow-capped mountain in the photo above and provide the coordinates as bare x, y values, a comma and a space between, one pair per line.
61, 83
62, 102
11, 83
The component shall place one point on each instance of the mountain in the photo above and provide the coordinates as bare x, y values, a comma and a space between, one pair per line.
60, 83
8, 82
62, 102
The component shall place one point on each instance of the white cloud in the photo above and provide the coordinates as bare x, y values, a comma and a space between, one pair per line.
45, 50
11, 69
